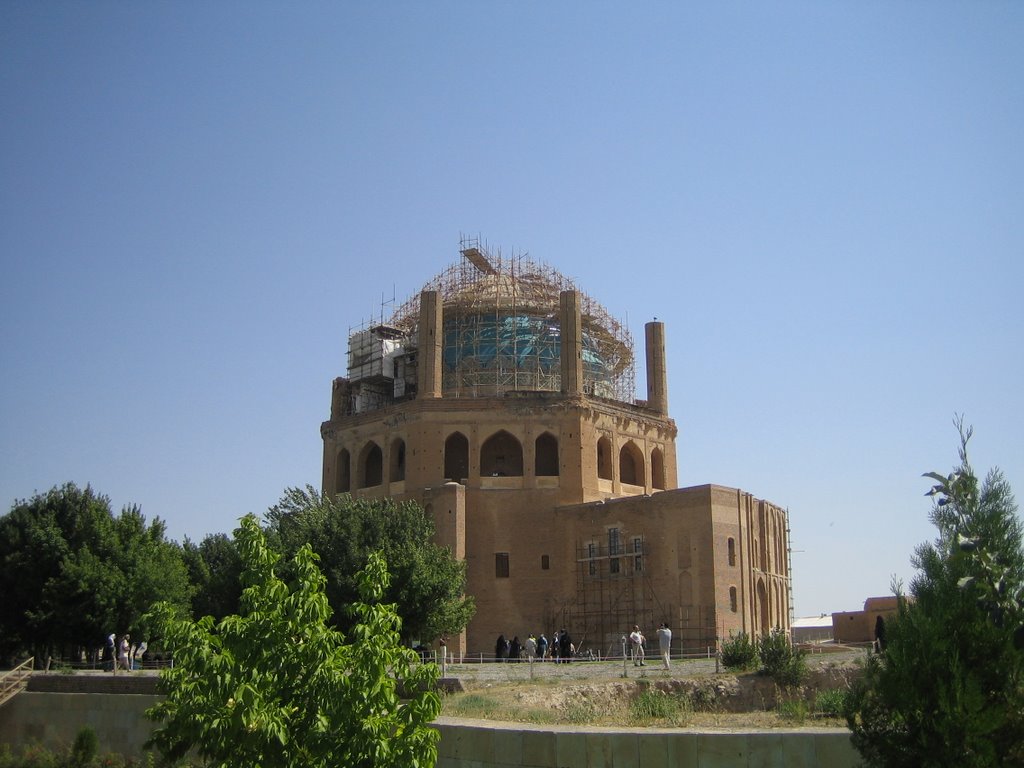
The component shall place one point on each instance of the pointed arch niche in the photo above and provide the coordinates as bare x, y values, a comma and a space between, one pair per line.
396, 464
631, 465
658, 469
545, 463
343, 472
604, 458
371, 466
501, 455
456, 457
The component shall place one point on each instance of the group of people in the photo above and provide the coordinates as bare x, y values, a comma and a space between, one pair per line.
120, 653
637, 641
559, 649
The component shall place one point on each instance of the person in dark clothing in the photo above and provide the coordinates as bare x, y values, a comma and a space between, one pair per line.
513, 649
880, 635
500, 648
564, 647
542, 647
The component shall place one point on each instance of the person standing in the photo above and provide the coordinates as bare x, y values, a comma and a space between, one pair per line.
110, 653
665, 643
636, 643
122, 651
564, 647
542, 647
531, 647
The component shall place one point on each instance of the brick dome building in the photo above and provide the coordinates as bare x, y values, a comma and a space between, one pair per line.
501, 399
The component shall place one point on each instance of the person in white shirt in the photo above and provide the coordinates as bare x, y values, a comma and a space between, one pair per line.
636, 642
665, 643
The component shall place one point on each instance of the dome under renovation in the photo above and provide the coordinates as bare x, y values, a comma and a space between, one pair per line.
501, 333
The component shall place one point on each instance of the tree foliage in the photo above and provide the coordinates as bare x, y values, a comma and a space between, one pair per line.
780, 660
428, 582
739, 652
214, 568
277, 686
71, 572
949, 688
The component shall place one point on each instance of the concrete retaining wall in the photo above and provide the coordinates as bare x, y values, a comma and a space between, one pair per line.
482, 744
54, 719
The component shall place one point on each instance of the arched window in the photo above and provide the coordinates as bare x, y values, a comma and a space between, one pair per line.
733, 601
456, 457
732, 551
371, 466
604, 458
658, 469
343, 473
396, 470
546, 456
501, 455
631, 465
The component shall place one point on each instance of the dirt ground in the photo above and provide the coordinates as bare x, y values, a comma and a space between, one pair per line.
690, 694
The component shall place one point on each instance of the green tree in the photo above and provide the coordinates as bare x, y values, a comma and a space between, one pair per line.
214, 567
428, 583
949, 688
780, 660
278, 686
71, 572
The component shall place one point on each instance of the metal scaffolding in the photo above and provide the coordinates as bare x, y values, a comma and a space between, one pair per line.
502, 332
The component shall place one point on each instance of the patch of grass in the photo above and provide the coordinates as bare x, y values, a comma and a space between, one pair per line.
652, 706
472, 705
580, 712
831, 703
794, 710
538, 716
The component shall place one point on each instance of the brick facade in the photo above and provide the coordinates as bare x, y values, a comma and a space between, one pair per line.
564, 504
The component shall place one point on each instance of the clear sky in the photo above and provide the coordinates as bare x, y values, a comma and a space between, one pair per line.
823, 201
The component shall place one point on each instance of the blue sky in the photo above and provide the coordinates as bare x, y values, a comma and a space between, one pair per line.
824, 202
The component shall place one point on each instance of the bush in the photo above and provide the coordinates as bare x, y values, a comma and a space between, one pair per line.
84, 750
739, 652
831, 703
780, 660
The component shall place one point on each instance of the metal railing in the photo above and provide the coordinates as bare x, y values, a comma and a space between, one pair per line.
14, 681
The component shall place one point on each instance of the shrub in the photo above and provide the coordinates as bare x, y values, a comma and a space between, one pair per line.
780, 660
84, 750
739, 652
831, 703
